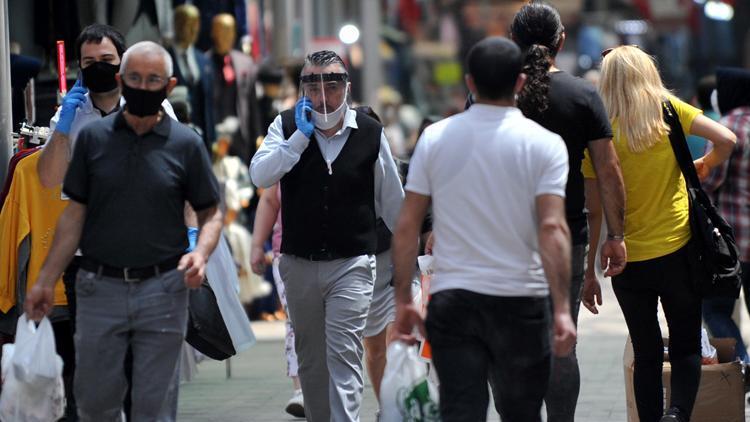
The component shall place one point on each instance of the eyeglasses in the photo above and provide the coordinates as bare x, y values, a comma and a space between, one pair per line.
609, 50
153, 82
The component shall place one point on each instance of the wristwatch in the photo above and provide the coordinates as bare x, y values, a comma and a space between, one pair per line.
615, 236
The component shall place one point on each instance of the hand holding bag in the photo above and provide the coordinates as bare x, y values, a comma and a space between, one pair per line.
715, 250
32, 375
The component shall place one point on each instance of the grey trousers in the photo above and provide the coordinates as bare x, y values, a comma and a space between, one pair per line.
150, 316
328, 304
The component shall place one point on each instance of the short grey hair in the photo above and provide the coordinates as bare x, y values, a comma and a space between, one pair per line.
148, 47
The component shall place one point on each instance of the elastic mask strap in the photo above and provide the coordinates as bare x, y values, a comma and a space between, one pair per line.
322, 89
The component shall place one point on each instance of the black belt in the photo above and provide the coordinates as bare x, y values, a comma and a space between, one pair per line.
127, 273
324, 256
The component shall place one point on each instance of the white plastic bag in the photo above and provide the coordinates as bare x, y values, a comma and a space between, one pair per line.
406, 393
709, 355
222, 277
33, 388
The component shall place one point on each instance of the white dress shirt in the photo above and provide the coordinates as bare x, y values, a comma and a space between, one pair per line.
277, 156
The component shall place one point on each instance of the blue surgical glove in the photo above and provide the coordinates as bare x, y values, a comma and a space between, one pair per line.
192, 238
74, 99
302, 116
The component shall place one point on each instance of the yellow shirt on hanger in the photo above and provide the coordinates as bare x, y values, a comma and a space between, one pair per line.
29, 210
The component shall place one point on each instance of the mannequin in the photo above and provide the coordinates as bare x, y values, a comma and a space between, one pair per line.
234, 85
193, 70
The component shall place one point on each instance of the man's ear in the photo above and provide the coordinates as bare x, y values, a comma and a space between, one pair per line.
470, 84
520, 82
562, 41
171, 84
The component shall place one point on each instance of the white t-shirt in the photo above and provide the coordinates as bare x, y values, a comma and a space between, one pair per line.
484, 169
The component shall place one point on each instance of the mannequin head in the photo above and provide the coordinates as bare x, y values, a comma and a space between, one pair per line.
187, 25
223, 33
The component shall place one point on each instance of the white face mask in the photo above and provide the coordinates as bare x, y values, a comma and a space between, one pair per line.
715, 102
325, 121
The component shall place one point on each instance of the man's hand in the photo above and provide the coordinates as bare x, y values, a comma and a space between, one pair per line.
592, 292
302, 117
407, 316
702, 168
73, 100
194, 266
613, 257
565, 334
39, 301
258, 259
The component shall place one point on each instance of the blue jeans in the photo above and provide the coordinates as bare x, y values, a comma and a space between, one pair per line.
717, 313
475, 337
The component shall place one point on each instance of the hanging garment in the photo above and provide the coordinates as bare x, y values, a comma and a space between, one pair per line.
30, 210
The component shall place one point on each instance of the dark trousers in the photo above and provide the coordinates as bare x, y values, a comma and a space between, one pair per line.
565, 380
473, 336
638, 289
64, 332
746, 283
717, 313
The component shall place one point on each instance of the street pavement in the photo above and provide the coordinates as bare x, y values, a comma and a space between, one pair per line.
258, 389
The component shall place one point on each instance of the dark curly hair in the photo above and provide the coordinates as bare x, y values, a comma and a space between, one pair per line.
538, 30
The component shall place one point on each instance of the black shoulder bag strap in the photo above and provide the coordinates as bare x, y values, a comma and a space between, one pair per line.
679, 145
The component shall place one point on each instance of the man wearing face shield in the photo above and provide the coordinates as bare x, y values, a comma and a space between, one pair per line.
128, 181
337, 174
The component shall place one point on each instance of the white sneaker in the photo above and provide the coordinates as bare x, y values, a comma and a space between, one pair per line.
296, 405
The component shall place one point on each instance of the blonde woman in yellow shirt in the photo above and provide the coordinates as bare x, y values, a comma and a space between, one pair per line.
657, 231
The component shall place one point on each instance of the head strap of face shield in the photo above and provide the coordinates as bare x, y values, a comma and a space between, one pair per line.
325, 77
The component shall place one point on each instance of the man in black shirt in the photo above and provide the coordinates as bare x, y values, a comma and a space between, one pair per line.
571, 107
128, 181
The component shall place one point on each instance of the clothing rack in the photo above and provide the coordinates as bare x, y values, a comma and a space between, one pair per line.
34, 136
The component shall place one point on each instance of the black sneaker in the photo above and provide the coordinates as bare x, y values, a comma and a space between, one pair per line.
674, 414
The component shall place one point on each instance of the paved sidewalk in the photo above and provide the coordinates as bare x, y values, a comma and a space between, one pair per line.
258, 389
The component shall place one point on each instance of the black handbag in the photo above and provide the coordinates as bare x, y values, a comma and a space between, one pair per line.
716, 256
206, 330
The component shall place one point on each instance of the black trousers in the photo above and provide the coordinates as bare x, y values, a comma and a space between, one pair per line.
64, 332
474, 336
638, 289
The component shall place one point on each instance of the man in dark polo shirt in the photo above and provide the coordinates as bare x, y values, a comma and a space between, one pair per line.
128, 181
337, 174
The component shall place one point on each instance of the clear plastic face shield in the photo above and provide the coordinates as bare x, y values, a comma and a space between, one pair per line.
328, 93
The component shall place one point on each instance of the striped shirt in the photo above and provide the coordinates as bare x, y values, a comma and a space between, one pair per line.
729, 183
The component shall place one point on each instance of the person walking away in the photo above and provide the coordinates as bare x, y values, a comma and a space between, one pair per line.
501, 249
554, 98
657, 229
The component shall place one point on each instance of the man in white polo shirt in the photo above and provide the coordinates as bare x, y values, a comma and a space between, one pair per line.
496, 181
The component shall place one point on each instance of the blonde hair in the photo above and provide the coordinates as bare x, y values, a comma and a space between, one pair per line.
633, 92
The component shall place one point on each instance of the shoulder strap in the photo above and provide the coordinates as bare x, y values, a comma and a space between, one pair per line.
679, 145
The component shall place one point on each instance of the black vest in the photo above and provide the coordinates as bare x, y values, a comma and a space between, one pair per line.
329, 216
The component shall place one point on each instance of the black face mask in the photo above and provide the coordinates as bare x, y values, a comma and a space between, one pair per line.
140, 102
100, 76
